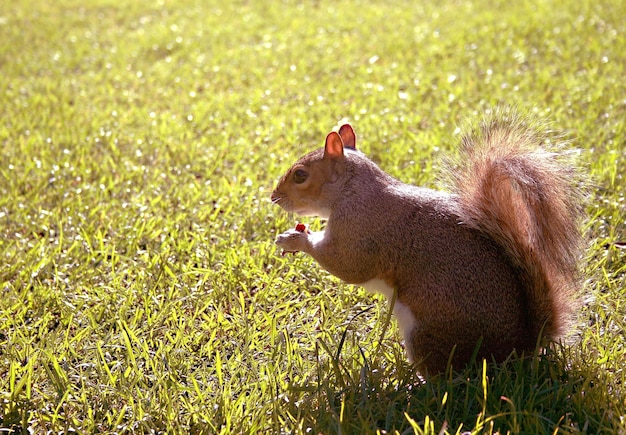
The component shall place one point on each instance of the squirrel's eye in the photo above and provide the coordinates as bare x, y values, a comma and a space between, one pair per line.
300, 176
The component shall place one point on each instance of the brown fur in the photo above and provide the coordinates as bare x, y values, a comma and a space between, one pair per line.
492, 267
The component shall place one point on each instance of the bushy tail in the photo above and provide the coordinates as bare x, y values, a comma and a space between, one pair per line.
524, 193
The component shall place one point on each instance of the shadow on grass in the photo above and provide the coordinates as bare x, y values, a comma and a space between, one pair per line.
536, 395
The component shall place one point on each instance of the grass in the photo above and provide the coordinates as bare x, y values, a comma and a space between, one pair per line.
140, 288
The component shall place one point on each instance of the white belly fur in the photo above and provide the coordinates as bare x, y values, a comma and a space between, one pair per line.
406, 320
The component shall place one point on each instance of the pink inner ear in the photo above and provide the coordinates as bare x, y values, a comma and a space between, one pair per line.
347, 136
334, 146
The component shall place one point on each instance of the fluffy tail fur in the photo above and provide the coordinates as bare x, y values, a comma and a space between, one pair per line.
520, 190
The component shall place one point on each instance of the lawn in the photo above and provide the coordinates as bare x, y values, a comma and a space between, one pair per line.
141, 291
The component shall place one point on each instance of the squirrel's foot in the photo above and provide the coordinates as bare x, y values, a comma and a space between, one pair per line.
293, 241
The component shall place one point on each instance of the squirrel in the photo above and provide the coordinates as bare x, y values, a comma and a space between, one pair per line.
488, 269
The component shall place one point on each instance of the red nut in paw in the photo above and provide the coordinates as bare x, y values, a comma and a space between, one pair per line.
300, 227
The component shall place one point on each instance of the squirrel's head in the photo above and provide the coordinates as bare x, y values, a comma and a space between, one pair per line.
313, 184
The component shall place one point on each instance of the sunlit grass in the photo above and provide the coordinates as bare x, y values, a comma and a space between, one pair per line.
141, 290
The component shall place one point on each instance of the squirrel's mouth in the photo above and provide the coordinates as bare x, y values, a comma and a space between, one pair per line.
276, 199
282, 202
300, 209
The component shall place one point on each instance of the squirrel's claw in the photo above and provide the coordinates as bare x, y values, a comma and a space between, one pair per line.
284, 252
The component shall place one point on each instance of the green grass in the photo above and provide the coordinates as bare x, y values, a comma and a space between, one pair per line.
140, 288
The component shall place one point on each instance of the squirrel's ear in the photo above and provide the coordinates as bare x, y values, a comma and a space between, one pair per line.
347, 136
334, 146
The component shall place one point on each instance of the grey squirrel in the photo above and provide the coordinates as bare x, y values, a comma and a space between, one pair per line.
490, 268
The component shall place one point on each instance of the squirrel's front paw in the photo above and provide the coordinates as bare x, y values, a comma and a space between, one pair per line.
293, 240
